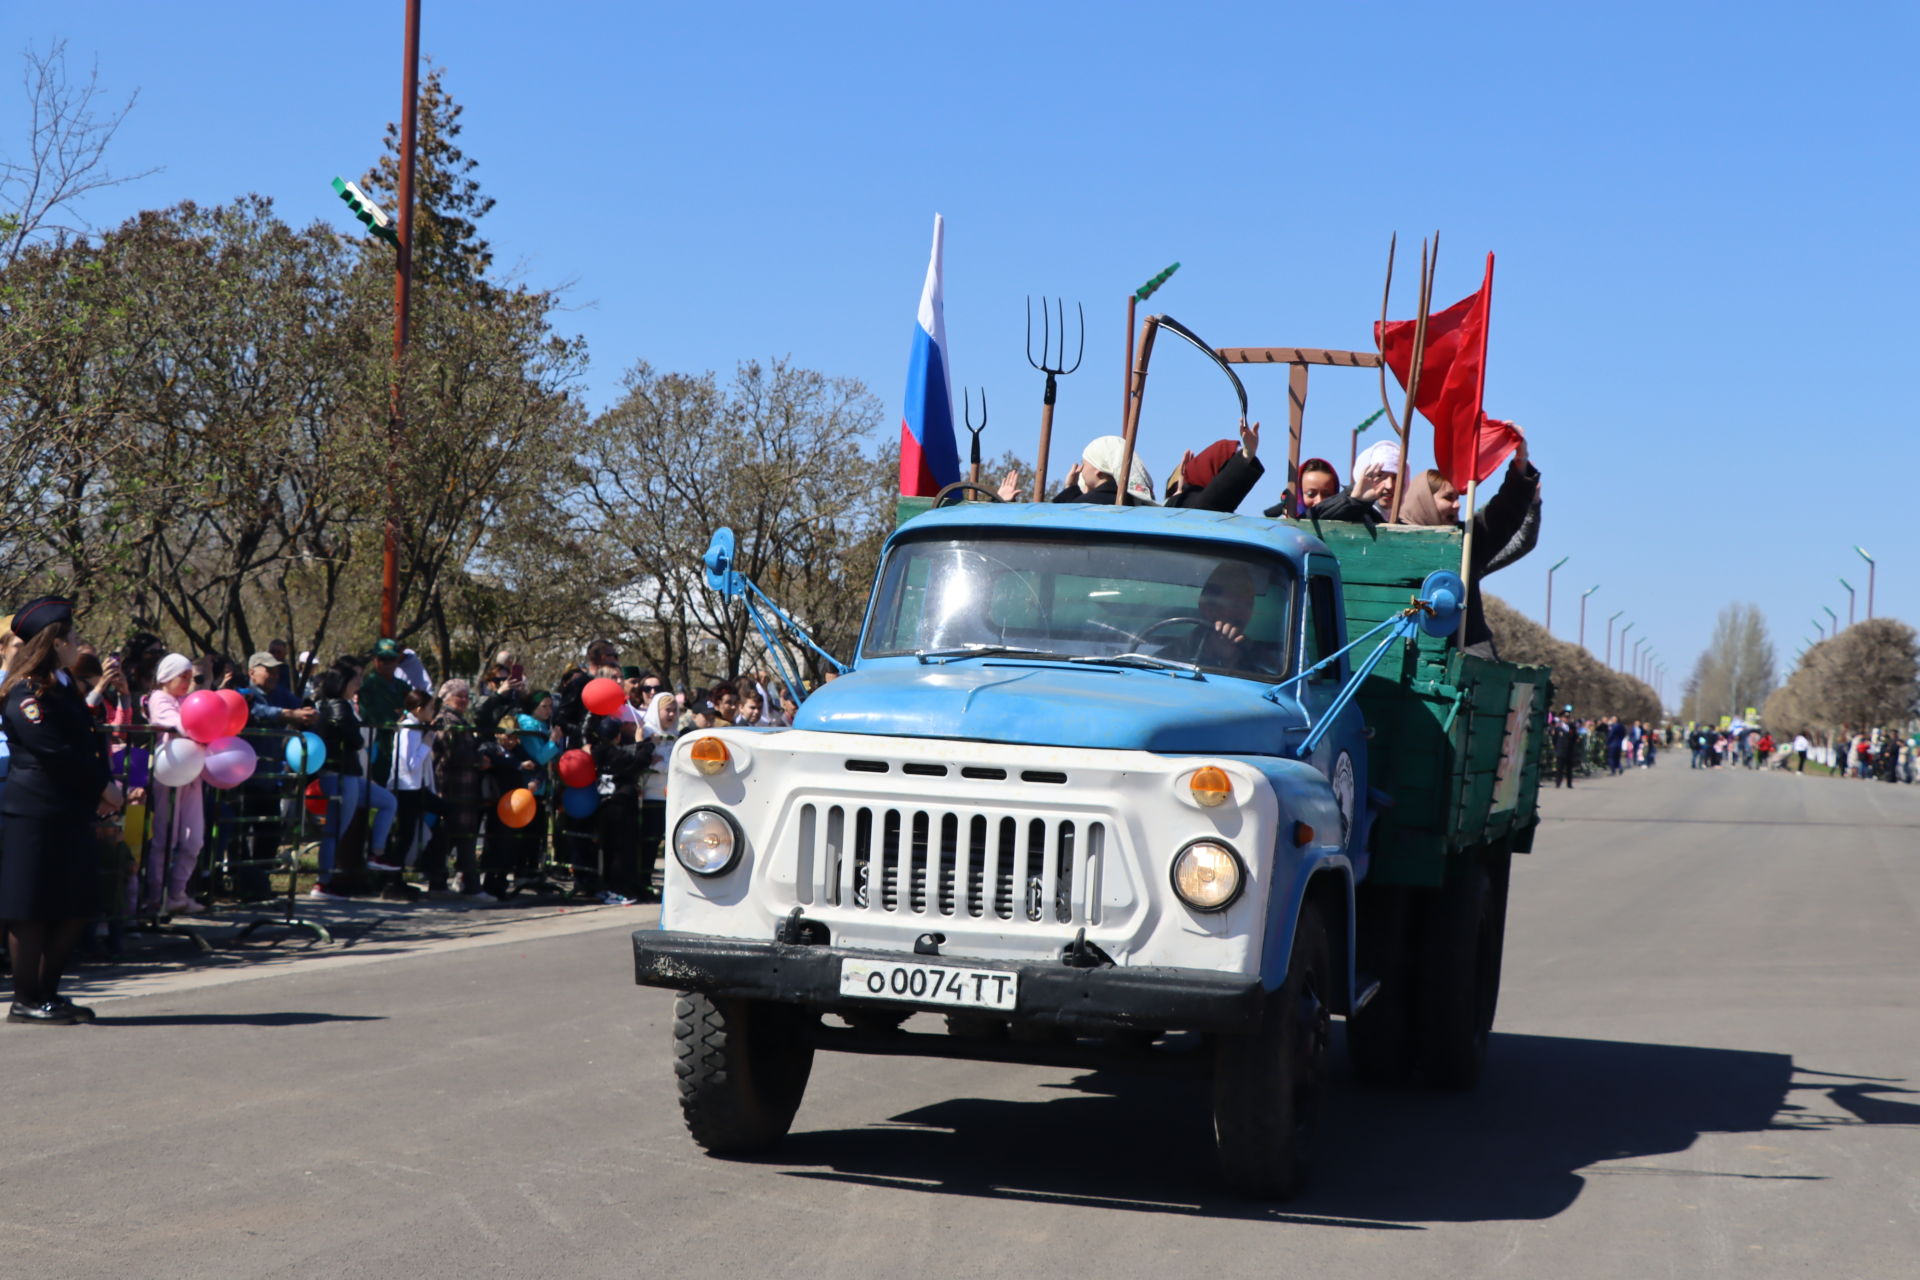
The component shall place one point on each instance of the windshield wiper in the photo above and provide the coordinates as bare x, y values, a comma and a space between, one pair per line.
979, 651
1149, 661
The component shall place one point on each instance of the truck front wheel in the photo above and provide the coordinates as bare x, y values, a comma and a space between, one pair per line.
1269, 1085
742, 1067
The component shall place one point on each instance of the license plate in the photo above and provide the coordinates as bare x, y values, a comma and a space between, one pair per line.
929, 984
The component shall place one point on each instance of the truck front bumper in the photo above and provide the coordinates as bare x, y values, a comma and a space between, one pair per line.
1107, 998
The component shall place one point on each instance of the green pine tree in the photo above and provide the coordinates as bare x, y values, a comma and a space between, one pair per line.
448, 203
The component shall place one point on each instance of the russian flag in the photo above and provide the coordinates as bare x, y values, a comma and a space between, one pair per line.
929, 455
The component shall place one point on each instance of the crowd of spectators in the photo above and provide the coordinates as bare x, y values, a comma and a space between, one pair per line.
406, 801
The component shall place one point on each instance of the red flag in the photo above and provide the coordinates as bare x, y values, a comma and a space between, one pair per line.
1467, 444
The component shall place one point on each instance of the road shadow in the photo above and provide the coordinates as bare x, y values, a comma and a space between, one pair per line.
1516, 1149
279, 1019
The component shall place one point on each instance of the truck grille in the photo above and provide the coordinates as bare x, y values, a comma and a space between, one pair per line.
943, 862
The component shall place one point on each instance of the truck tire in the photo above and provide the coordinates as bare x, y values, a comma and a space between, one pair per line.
742, 1067
1465, 936
1269, 1085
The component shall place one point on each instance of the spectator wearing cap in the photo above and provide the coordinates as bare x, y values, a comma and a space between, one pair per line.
272, 714
179, 813
268, 683
382, 701
58, 789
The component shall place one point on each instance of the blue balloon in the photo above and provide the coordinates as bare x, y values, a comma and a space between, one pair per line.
306, 753
580, 802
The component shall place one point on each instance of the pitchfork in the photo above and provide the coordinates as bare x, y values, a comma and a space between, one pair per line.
966, 407
1054, 365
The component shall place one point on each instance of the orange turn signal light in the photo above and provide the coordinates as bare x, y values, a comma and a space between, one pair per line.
709, 755
1302, 834
1211, 786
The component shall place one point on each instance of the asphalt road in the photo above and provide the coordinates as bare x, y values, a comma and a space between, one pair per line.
1705, 1066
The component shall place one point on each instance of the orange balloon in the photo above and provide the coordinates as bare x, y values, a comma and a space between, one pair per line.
516, 808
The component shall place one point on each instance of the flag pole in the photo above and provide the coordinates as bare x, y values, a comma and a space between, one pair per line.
1466, 543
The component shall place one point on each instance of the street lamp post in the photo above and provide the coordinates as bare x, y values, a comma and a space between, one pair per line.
1635, 669
1550, 568
1607, 658
1623, 646
1849, 587
1583, 612
1870, 569
1835, 619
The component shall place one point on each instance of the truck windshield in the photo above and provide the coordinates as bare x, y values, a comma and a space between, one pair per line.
1220, 608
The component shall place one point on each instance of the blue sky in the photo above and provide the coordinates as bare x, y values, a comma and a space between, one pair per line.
1704, 216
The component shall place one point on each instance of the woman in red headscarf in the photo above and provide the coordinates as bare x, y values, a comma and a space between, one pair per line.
1220, 475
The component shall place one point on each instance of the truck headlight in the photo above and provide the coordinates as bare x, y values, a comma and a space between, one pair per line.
707, 842
1207, 875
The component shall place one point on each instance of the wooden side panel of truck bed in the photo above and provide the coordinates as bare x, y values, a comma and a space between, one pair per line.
1456, 738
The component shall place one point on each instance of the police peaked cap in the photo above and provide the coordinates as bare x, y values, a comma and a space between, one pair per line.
37, 615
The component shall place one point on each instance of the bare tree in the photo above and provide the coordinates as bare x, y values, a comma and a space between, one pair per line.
1735, 671
69, 130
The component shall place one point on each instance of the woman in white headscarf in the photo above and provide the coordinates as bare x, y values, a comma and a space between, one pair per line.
1092, 478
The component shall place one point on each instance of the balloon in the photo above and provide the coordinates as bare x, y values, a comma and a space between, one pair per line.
577, 769
230, 762
316, 799
580, 802
237, 710
203, 716
306, 753
179, 761
516, 808
603, 696
136, 825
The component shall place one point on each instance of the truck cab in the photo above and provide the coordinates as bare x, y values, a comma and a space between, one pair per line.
1096, 780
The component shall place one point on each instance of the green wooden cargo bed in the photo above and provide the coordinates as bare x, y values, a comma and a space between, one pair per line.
1456, 738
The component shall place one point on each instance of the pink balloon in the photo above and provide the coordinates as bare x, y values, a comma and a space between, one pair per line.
203, 716
230, 762
237, 710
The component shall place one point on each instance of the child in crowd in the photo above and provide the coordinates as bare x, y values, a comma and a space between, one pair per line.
179, 822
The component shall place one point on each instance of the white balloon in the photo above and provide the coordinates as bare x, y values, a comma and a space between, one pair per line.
178, 762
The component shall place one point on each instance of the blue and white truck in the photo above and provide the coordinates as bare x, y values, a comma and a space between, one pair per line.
1103, 782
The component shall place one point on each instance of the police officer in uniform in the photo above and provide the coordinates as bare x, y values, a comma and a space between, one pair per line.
59, 787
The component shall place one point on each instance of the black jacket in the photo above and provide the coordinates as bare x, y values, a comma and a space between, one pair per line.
59, 763
339, 728
1228, 488
1504, 530
1341, 506
1103, 495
